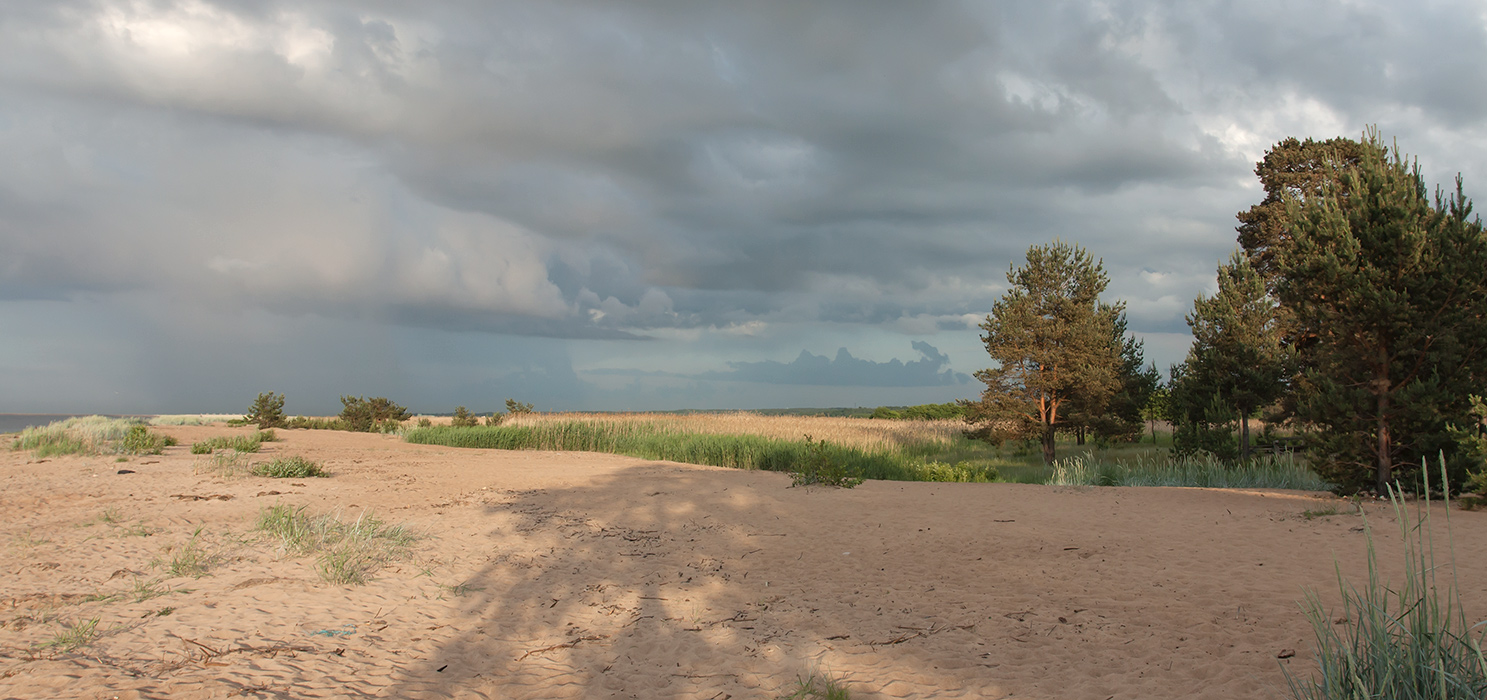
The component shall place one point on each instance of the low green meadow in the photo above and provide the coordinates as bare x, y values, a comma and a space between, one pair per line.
952, 459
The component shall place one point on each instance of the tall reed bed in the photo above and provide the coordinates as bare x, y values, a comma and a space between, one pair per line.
670, 440
1270, 471
855, 432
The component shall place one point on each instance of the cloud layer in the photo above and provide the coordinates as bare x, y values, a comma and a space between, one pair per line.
690, 174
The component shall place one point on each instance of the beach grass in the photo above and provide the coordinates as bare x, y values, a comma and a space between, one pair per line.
293, 467
226, 464
818, 686
86, 435
240, 443
75, 636
1410, 642
347, 552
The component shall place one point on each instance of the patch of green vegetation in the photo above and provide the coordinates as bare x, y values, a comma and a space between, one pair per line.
1409, 643
1314, 513
1201, 470
226, 464
294, 467
140, 441
736, 451
347, 552
818, 686
240, 443
191, 559
76, 636
819, 469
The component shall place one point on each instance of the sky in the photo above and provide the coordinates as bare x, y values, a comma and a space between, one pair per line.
624, 205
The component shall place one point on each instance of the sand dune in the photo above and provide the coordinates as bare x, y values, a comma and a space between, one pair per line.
567, 575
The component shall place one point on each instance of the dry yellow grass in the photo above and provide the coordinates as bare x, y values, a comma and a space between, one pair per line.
872, 435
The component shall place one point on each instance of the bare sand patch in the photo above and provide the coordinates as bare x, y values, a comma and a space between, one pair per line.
550, 575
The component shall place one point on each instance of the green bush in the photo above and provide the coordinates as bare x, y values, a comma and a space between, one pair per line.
376, 414
463, 418
295, 467
517, 408
140, 441
267, 411
306, 423
819, 469
1410, 643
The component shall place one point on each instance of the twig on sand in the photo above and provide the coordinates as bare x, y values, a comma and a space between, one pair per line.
917, 633
565, 645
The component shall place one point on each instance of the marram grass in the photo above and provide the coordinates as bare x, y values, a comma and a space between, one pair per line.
648, 441
1410, 642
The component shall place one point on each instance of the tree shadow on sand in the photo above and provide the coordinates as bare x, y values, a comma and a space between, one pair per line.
655, 583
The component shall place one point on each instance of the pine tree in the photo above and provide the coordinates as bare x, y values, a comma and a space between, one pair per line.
1295, 170
1389, 297
1237, 358
1055, 346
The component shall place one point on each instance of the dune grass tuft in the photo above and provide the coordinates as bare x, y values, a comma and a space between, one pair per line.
294, 467
240, 443
91, 435
347, 552
818, 686
1409, 643
75, 636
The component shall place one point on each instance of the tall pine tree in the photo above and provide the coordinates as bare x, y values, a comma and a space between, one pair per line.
1388, 293
1236, 359
1055, 345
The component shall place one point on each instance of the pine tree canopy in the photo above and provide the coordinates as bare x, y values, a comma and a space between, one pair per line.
1058, 349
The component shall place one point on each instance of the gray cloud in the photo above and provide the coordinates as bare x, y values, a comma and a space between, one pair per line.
585, 171
846, 370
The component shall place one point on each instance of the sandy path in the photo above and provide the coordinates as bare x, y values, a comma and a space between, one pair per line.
550, 575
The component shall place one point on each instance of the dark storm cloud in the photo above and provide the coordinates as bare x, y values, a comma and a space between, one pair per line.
586, 169
846, 370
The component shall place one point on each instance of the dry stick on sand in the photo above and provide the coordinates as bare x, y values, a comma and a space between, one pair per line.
565, 645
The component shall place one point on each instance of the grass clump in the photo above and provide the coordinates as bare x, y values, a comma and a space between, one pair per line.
347, 552
76, 636
86, 435
226, 464
818, 686
240, 443
140, 441
1409, 643
191, 559
1271, 471
294, 467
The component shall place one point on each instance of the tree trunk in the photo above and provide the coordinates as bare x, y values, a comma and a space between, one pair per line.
1079, 435
1243, 437
1384, 464
1048, 444
1153, 432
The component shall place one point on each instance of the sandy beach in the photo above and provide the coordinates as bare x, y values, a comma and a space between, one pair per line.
575, 575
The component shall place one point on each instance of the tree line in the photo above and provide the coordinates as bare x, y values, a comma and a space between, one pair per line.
1353, 312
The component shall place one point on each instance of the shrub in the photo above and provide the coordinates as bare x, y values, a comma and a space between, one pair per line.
819, 468
425, 423
517, 408
305, 423
140, 441
375, 414
1409, 643
295, 467
267, 411
463, 418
